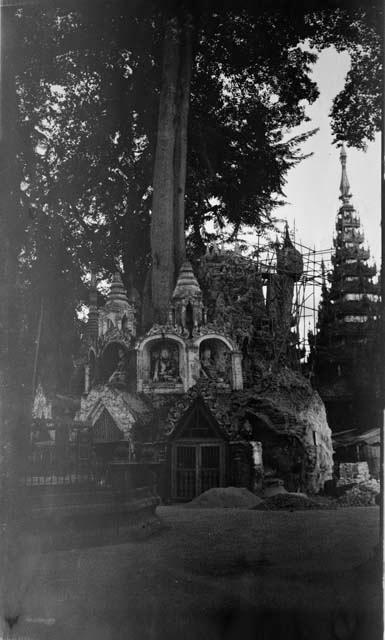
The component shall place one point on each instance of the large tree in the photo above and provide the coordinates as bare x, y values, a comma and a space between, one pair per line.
109, 99
254, 53
91, 92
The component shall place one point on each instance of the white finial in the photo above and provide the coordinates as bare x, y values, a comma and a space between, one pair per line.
344, 184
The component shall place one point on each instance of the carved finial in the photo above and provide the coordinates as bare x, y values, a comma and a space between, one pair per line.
344, 184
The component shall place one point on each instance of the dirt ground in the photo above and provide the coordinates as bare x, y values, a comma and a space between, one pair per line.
215, 574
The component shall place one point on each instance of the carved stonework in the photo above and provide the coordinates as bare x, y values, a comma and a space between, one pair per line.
125, 409
160, 330
213, 328
232, 290
115, 335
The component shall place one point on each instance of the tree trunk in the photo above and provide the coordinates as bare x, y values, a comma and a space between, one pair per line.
180, 155
162, 222
13, 406
11, 233
168, 220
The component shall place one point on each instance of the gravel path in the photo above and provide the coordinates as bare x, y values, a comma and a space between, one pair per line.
218, 573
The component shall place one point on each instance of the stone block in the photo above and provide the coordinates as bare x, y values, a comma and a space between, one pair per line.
353, 473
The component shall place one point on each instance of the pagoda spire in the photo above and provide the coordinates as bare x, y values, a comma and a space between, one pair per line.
344, 184
287, 241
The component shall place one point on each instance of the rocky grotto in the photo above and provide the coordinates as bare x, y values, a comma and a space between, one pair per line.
215, 396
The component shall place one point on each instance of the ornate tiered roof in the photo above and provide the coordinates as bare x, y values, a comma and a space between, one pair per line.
117, 294
350, 306
187, 285
351, 278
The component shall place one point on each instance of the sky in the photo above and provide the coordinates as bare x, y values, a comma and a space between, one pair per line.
312, 188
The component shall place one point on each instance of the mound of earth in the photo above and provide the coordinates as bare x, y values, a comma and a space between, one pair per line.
275, 490
291, 501
226, 498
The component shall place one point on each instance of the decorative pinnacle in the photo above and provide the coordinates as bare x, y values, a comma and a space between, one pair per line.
117, 292
344, 184
287, 242
187, 285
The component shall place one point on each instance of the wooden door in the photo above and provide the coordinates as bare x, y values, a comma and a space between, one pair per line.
197, 468
210, 467
185, 472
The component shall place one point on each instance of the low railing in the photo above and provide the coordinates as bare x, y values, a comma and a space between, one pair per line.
49, 464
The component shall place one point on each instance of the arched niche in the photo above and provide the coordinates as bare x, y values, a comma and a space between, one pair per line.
124, 323
189, 318
114, 363
283, 454
215, 360
161, 363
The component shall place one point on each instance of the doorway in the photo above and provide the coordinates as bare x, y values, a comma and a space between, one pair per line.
197, 468
198, 453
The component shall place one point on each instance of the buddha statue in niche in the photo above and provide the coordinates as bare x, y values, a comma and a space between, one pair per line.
165, 365
214, 363
207, 363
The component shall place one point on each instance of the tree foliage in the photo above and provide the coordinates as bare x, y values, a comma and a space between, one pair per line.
250, 87
88, 93
356, 114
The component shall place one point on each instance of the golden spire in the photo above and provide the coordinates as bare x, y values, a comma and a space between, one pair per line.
344, 184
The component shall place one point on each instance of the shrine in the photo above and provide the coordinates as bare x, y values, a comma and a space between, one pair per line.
194, 397
211, 397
